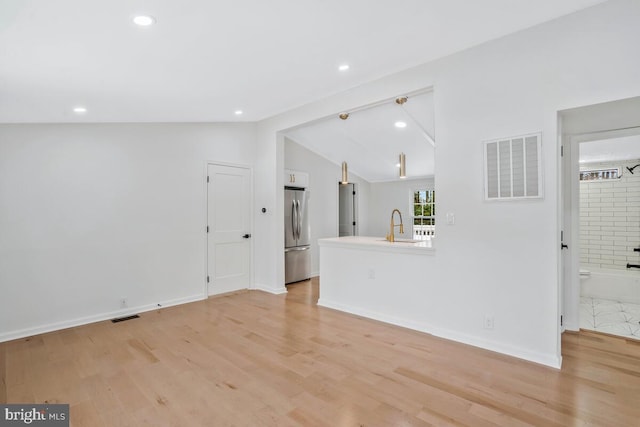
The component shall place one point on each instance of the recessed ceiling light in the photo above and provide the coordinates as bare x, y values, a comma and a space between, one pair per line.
144, 20
80, 110
238, 112
400, 125
343, 67
397, 165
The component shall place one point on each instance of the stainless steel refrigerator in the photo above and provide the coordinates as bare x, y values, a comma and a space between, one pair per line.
297, 235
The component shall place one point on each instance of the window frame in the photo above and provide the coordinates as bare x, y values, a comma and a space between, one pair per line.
431, 195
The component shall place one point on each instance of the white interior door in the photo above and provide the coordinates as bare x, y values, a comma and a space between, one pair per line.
229, 222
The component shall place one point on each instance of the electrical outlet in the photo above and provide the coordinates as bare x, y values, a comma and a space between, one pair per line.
372, 273
124, 302
488, 322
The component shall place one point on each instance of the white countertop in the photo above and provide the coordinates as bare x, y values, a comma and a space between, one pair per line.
424, 247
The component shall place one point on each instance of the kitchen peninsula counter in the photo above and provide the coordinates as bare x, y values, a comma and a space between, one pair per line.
371, 277
367, 243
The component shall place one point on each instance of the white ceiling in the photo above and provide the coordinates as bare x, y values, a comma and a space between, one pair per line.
614, 149
205, 59
370, 142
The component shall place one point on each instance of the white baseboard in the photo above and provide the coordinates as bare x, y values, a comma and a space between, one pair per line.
568, 326
269, 289
42, 329
537, 357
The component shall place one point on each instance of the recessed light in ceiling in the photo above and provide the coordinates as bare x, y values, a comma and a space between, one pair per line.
238, 112
144, 20
343, 67
400, 125
80, 110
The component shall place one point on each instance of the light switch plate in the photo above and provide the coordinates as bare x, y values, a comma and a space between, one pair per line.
451, 219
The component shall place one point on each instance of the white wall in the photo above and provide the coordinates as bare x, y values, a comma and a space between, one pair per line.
610, 218
500, 258
387, 196
93, 213
323, 187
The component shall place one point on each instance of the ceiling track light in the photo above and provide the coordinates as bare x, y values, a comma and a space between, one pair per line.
345, 174
401, 100
403, 167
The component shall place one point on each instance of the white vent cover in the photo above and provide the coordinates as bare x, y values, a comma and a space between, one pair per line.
512, 168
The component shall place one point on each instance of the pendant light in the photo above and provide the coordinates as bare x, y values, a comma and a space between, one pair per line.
345, 174
403, 168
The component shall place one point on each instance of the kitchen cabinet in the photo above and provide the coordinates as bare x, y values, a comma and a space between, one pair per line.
293, 178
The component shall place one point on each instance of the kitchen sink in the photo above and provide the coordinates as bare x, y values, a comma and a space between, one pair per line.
401, 241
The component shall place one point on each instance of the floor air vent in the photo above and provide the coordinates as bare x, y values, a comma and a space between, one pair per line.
122, 319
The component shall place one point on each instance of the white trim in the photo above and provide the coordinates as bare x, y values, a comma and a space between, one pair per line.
412, 209
36, 330
551, 360
570, 326
268, 289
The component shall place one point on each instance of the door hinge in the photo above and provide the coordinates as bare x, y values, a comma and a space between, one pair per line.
354, 223
560, 320
207, 279
354, 193
561, 235
561, 150
207, 228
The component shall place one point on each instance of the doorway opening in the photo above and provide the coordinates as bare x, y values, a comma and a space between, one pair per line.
601, 218
347, 224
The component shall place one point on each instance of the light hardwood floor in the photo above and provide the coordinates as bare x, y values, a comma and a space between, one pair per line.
259, 359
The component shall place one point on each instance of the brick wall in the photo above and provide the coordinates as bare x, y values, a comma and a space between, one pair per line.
610, 218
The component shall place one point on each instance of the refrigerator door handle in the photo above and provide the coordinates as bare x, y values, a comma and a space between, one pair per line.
299, 216
294, 220
296, 249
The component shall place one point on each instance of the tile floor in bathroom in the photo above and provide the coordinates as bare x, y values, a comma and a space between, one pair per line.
611, 317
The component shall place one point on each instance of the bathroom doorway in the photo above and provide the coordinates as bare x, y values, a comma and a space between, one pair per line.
347, 224
601, 220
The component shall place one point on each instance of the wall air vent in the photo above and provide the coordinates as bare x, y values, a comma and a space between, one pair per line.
512, 168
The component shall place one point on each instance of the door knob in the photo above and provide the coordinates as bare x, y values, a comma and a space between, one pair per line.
563, 246
246, 236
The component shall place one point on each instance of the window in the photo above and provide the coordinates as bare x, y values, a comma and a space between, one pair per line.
600, 174
424, 210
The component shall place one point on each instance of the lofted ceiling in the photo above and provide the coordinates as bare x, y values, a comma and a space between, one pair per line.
369, 141
203, 60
